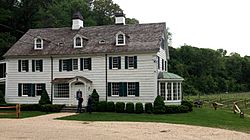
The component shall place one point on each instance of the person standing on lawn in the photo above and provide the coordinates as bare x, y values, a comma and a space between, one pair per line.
80, 100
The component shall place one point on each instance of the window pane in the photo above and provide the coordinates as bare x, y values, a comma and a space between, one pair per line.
120, 39
78, 41
115, 88
169, 96
65, 65
25, 89
131, 62
38, 65
86, 63
61, 91
39, 89
131, 88
178, 90
75, 64
115, 62
175, 91
163, 91
25, 65
38, 43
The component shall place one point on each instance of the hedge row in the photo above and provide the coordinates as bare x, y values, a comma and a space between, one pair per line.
121, 107
43, 108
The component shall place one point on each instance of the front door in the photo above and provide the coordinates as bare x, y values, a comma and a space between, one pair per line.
76, 87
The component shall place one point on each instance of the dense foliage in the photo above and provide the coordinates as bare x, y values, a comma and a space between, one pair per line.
148, 108
159, 105
95, 97
139, 108
17, 16
111, 107
120, 107
209, 71
102, 106
130, 107
44, 98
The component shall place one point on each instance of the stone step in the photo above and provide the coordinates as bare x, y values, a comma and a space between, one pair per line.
72, 109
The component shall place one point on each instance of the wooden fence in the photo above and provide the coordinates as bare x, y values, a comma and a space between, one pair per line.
17, 112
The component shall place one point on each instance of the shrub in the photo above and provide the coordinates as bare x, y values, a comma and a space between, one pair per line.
148, 108
119, 107
176, 109
130, 107
111, 107
30, 107
2, 100
189, 104
102, 106
138, 108
51, 108
44, 98
159, 106
95, 97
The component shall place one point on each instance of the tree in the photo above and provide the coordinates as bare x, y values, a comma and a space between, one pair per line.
44, 98
159, 105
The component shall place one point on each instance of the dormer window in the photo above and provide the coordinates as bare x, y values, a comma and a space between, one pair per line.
120, 39
38, 44
78, 42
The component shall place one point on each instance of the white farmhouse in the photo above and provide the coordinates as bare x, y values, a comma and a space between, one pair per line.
122, 62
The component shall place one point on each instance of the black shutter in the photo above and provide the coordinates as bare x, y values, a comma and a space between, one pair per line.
126, 62
90, 65
135, 62
137, 89
27, 64
158, 62
19, 90
81, 64
32, 90
119, 62
120, 89
60, 65
41, 65
110, 62
19, 65
125, 89
69, 65
165, 65
162, 64
109, 89
33, 65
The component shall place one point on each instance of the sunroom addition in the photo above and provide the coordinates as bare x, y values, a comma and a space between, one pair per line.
170, 87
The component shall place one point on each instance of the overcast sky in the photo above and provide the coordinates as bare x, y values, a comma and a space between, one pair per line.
201, 23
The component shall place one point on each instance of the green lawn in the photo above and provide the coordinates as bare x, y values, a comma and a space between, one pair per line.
200, 116
24, 114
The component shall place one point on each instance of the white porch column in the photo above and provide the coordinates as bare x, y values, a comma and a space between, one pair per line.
180, 91
166, 91
172, 92
177, 90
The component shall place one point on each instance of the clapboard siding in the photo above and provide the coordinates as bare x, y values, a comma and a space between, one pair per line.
162, 55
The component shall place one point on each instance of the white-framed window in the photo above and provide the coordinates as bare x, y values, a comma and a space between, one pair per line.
25, 91
174, 91
120, 39
115, 89
131, 89
78, 41
61, 90
179, 90
65, 65
75, 64
131, 62
163, 91
38, 43
39, 89
115, 62
37, 65
87, 63
23, 65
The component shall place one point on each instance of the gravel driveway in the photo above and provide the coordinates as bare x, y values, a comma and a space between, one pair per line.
46, 128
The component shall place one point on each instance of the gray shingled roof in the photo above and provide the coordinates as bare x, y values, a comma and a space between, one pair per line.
59, 41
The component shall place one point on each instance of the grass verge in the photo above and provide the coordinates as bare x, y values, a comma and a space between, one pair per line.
200, 117
24, 114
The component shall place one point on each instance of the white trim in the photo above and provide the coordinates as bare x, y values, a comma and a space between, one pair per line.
78, 36
35, 43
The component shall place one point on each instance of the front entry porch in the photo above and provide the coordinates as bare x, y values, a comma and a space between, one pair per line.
65, 90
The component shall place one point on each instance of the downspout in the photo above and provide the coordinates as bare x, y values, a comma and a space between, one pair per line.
106, 77
52, 77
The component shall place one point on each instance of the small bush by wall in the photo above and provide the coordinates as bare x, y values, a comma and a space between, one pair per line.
138, 108
189, 104
170, 109
111, 107
119, 107
130, 107
102, 106
2, 100
148, 108
95, 97
159, 105
30, 107
44, 98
